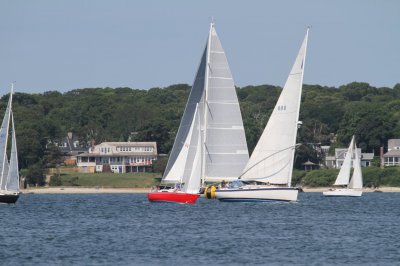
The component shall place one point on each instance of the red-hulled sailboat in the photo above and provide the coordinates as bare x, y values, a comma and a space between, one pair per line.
172, 196
210, 144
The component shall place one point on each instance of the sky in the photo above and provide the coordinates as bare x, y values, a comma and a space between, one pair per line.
63, 45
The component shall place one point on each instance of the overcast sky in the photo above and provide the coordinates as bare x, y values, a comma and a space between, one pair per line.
69, 44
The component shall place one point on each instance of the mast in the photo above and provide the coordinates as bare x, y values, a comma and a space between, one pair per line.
205, 107
298, 109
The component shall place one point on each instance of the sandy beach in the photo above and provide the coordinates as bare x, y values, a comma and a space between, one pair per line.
83, 190
380, 189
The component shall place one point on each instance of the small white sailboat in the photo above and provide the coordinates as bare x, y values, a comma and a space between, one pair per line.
210, 144
268, 174
9, 174
354, 185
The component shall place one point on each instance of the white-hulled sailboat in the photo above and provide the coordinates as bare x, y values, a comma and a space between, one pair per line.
268, 174
9, 174
354, 185
210, 144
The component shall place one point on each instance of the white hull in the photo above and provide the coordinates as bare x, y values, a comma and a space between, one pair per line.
250, 194
344, 192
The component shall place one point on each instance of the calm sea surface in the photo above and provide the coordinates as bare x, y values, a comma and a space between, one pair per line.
125, 229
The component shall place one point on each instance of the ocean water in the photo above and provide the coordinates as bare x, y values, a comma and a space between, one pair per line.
125, 229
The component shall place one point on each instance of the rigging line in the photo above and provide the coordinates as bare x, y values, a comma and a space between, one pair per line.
263, 159
208, 153
209, 110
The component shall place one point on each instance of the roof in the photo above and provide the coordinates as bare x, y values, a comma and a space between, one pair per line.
391, 153
393, 143
308, 163
117, 154
129, 144
367, 156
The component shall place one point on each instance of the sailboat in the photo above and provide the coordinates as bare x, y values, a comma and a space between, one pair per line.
268, 173
9, 178
354, 185
210, 145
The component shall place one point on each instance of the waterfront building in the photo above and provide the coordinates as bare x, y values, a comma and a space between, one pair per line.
392, 157
340, 153
118, 157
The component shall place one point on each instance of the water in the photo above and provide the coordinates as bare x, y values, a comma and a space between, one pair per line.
125, 229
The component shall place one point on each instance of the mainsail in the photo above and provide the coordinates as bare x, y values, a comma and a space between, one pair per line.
226, 152
13, 173
3, 144
223, 152
273, 157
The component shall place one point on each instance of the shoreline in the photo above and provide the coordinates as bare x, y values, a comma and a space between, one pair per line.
380, 189
94, 190
82, 190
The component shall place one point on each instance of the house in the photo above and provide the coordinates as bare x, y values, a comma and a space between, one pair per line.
392, 157
118, 157
340, 153
70, 147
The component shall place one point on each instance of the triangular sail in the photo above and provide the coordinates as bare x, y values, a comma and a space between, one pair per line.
224, 148
192, 174
13, 173
344, 173
273, 157
3, 144
226, 152
356, 180
177, 160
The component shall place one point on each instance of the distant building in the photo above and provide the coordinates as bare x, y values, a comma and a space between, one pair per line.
70, 147
392, 157
340, 153
118, 157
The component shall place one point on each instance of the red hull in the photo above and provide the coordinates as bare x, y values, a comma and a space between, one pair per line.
179, 197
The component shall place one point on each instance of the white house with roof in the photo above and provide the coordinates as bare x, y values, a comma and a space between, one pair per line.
392, 157
118, 157
340, 153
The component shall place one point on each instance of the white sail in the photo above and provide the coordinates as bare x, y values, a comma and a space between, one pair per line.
13, 173
224, 149
177, 160
176, 173
273, 157
225, 146
356, 180
3, 143
344, 173
192, 174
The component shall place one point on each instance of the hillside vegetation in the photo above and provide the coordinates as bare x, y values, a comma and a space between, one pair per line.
106, 114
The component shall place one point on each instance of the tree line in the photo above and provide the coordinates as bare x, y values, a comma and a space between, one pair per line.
330, 116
